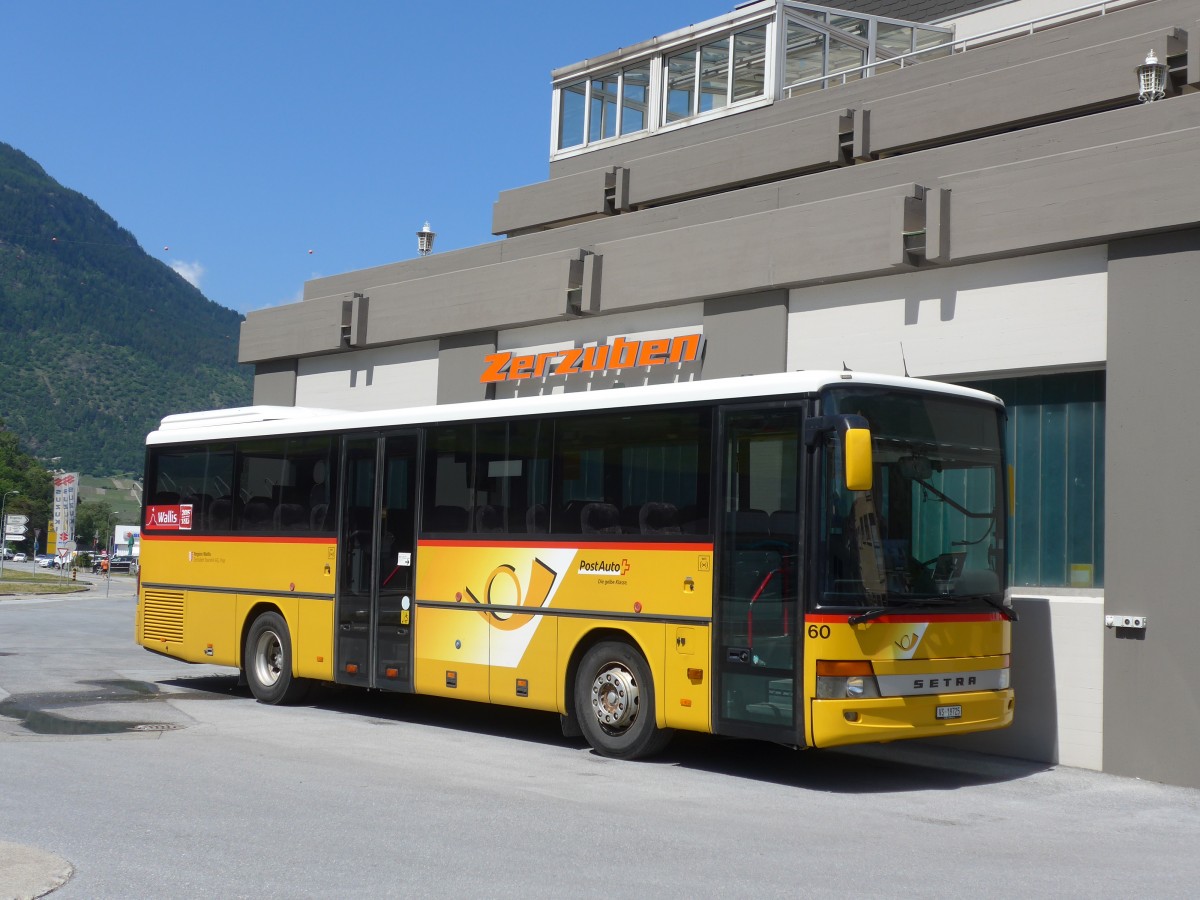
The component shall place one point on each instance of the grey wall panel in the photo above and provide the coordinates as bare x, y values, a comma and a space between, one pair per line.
767, 250
298, 329
275, 383
1086, 196
1035, 89
507, 294
1152, 482
363, 280
460, 360
766, 153
999, 207
572, 197
746, 335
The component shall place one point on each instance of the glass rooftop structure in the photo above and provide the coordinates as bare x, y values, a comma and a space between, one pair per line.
761, 52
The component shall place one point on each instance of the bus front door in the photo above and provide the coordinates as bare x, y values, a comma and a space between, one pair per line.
757, 612
376, 572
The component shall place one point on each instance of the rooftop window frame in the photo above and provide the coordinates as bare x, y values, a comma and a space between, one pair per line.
661, 49
654, 54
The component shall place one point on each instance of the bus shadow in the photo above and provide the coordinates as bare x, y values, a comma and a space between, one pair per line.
900, 767
869, 769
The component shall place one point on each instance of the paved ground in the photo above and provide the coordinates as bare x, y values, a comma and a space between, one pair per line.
128, 774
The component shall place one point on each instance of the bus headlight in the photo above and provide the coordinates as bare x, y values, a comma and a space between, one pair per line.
845, 680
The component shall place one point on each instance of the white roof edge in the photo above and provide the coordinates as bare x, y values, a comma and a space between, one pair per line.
249, 421
240, 414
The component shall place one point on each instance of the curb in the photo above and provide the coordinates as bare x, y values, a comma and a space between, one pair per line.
27, 873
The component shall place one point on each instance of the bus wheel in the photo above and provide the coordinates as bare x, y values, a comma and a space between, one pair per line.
614, 703
268, 662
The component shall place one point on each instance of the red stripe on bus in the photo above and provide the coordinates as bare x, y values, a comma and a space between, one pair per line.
568, 545
235, 538
822, 619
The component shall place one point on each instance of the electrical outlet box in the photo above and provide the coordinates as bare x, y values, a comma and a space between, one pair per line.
1125, 621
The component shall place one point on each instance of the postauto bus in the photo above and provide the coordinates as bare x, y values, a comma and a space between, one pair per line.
810, 558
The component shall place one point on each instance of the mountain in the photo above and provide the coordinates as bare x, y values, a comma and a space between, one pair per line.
98, 340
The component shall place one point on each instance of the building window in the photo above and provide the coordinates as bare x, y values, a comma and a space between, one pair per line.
717, 74
725, 66
1055, 445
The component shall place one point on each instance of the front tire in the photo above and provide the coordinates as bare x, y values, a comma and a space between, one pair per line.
614, 703
268, 662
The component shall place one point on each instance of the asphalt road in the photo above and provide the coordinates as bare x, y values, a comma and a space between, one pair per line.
145, 777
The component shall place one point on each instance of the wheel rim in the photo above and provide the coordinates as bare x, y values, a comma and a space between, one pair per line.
615, 698
268, 658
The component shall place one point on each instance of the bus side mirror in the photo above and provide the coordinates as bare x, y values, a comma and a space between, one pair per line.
858, 464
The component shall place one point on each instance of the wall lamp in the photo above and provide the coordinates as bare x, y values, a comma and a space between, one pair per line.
425, 240
1152, 79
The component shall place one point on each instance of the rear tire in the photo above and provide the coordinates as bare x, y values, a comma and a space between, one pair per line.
614, 703
267, 662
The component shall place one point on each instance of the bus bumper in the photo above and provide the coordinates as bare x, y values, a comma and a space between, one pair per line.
839, 722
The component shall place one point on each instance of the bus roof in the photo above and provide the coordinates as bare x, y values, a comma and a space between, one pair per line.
262, 421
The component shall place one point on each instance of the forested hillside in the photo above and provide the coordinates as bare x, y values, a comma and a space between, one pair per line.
98, 340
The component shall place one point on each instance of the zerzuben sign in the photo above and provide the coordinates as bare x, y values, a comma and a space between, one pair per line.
617, 354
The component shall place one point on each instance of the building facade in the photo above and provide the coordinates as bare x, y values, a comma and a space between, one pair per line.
975, 196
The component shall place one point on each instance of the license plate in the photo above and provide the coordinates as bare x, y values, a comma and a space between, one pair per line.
949, 712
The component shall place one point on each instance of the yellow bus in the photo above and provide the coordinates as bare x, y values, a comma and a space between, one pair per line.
810, 558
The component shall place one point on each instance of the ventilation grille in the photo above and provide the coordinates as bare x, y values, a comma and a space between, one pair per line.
162, 616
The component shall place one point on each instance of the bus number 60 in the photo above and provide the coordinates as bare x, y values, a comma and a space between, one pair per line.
818, 631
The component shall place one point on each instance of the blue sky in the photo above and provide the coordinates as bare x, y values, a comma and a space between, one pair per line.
233, 138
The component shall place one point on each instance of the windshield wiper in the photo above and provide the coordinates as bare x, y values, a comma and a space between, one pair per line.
1007, 611
878, 611
875, 612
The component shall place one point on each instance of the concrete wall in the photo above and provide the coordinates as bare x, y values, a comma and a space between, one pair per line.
275, 383
1152, 525
374, 378
459, 363
746, 335
1027, 314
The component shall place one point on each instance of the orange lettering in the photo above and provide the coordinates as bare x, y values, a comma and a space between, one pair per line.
496, 365
569, 363
685, 348
522, 367
623, 353
595, 358
540, 369
653, 353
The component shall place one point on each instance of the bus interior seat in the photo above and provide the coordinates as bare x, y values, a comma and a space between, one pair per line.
289, 516
537, 519
317, 516
257, 512
220, 511
452, 519
489, 519
600, 518
785, 525
658, 518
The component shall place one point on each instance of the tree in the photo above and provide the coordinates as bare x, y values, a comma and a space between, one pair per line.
21, 472
94, 523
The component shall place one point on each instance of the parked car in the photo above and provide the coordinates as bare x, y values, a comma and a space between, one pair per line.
7, 552
47, 562
20, 557
121, 563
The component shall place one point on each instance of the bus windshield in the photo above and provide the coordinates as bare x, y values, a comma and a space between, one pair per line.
931, 529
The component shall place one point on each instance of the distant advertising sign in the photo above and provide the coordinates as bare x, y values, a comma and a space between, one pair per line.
619, 353
170, 518
127, 539
66, 497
